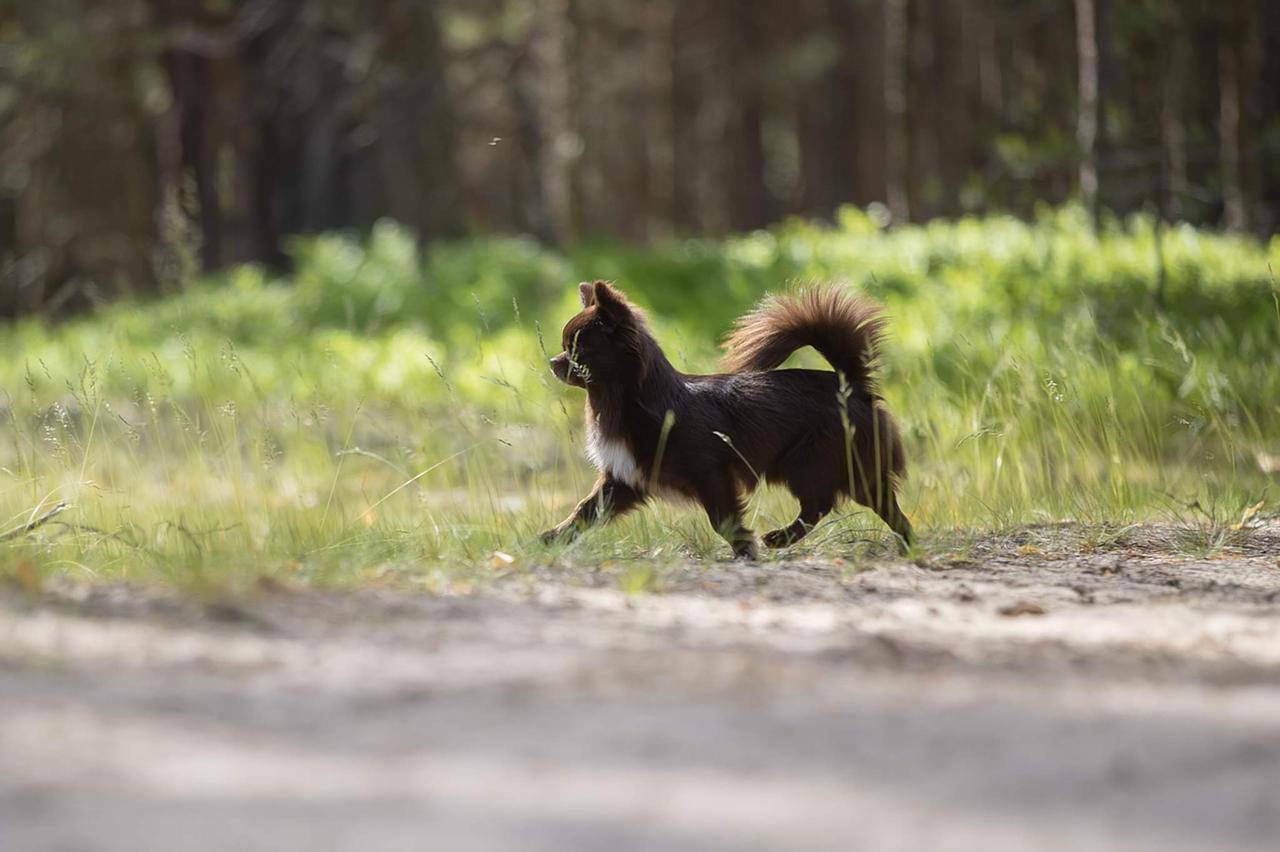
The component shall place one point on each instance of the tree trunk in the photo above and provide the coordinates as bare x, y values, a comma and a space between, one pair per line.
659, 133
926, 96
1173, 132
684, 103
544, 93
415, 121
1089, 105
897, 140
751, 205
823, 107
1234, 211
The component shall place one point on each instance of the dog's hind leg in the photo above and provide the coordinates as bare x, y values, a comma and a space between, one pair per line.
885, 504
804, 469
811, 511
892, 515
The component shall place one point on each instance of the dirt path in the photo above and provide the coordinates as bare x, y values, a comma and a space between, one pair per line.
1127, 699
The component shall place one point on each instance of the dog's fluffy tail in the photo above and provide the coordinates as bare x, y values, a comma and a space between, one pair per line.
844, 328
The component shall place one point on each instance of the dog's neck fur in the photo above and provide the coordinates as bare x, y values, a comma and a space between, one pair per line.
624, 418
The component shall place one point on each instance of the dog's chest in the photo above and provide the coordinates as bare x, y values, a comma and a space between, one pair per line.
613, 457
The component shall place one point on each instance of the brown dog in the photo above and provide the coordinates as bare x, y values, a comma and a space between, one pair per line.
652, 430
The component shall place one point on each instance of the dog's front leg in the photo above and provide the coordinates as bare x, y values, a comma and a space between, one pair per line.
609, 498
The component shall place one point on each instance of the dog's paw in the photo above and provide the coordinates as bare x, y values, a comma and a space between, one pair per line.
558, 535
777, 538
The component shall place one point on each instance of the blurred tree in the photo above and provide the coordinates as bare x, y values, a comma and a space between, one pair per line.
75, 139
895, 54
1089, 112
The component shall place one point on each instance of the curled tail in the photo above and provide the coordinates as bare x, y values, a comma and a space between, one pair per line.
844, 328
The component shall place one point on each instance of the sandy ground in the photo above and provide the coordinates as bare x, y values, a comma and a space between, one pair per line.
1020, 697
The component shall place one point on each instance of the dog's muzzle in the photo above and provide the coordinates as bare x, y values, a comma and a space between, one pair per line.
562, 369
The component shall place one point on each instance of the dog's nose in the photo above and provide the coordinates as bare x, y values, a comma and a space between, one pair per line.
560, 367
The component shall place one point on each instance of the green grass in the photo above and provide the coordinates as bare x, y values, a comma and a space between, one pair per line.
386, 414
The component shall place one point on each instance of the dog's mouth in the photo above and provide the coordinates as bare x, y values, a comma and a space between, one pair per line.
566, 371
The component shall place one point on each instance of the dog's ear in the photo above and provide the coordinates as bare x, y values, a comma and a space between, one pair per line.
587, 293
611, 305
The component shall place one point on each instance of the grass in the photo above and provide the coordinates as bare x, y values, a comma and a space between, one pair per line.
385, 415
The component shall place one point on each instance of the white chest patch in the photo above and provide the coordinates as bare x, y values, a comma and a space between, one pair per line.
613, 457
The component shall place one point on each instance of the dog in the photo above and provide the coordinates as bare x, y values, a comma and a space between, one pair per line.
654, 431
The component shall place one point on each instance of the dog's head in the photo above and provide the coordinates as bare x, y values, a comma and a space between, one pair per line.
605, 342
